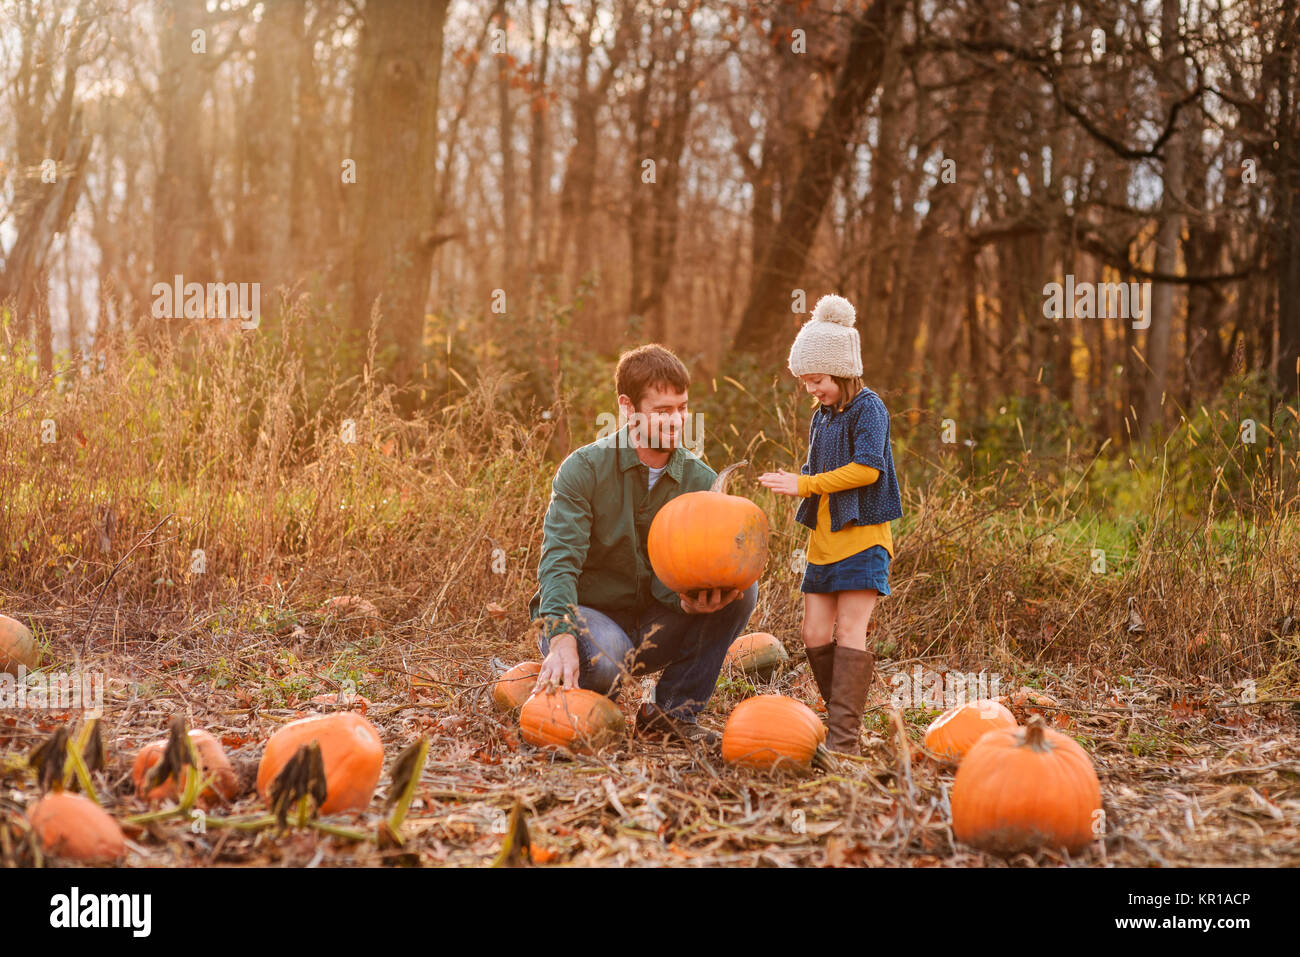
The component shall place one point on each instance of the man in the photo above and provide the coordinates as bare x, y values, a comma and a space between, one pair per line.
606, 616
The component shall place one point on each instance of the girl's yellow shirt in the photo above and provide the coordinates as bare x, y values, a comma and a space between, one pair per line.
825, 546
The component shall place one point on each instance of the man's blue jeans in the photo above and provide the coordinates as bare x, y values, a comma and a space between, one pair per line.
688, 649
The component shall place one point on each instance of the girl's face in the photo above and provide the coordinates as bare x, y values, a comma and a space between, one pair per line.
822, 387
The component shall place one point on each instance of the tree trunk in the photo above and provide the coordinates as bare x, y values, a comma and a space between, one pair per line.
45, 132
971, 398
395, 143
884, 233
669, 147
766, 324
1286, 213
269, 137
506, 129
182, 209
1159, 336
577, 196
537, 156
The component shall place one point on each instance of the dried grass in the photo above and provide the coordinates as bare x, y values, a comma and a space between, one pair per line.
233, 450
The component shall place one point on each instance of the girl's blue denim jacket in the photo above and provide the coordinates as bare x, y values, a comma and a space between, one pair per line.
859, 434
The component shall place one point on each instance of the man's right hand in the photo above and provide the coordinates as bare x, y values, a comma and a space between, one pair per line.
560, 669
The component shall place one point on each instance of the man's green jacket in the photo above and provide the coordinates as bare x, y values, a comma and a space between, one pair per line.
594, 545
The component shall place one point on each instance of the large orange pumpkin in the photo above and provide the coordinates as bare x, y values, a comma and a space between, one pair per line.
953, 733
17, 646
1018, 789
759, 654
350, 747
75, 827
580, 720
768, 730
705, 540
513, 688
212, 758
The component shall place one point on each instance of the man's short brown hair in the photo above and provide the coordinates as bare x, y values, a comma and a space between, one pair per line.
649, 366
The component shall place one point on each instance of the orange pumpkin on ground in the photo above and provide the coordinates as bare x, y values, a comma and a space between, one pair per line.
577, 719
17, 646
513, 688
342, 699
704, 540
1023, 788
759, 654
75, 827
953, 733
212, 758
352, 612
350, 747
768, 730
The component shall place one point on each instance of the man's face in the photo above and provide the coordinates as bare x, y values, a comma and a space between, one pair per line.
659, 420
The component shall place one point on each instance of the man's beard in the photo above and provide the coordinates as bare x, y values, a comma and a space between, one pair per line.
668, 440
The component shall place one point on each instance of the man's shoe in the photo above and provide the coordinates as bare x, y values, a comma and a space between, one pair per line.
653, 723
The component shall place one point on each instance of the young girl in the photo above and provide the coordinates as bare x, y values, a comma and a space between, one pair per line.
850, 495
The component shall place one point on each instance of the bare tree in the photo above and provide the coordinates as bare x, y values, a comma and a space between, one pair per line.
395, 142
52, 149
763, 323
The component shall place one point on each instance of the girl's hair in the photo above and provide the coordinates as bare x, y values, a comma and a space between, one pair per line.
849, 387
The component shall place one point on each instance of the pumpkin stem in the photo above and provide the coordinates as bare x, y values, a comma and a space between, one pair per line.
1034, 729
720, 483
823, 760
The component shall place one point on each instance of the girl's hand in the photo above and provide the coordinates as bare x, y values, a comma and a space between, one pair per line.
787, 483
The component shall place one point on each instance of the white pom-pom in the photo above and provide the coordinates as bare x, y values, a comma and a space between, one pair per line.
835, 309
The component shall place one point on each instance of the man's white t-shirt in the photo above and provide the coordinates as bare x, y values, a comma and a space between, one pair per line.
654, 474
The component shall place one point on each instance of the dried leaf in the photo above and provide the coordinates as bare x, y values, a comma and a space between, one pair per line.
1136, 626
49, 758
516, 848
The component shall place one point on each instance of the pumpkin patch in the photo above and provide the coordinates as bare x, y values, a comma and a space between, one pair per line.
575, 719
767, 731
953, 733
213, 762
17, 646
1019, 789
512, 689
76, 828
706, 540
759, 654
352, 751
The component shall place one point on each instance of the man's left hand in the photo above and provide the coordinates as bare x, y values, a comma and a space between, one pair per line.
707, 602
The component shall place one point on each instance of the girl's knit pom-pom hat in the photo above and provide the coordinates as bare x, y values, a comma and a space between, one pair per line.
828, 343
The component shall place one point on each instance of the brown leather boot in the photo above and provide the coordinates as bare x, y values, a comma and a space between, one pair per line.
821, 662
851, 681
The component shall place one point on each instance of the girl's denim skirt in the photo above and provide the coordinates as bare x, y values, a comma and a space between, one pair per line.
865, 570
